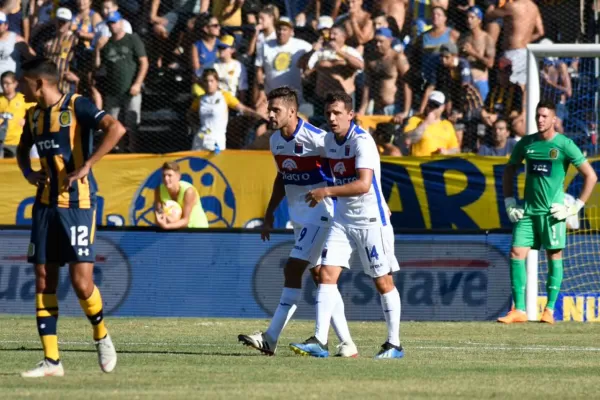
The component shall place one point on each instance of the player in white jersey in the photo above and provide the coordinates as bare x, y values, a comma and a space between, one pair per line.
297, 147
361, 224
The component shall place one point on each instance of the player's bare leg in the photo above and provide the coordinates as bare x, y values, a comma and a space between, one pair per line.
518, 279
91, 303
390, 302
46, 282
267, 342
555, 276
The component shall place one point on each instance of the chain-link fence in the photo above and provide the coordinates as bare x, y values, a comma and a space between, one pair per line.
426, 76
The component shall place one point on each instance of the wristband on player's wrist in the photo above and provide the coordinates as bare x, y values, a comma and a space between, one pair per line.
26, 172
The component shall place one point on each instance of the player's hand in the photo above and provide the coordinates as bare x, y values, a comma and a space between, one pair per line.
315, 196
562, 212
135, 89
514, 212
265, 233
79, 174
161, 220
37, 178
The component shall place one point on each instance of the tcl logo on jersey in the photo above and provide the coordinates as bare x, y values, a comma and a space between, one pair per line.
47, 145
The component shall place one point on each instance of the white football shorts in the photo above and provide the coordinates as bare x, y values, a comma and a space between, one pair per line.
374, 244
309, 240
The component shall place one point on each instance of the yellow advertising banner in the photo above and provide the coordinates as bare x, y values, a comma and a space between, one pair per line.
235, 186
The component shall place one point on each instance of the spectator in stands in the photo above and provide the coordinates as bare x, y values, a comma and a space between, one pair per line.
265, 30
386, 81
185, 194
209, 114
12, 115
204, 51
453, 76
426, 49
505, 101
428, 133
171, 17
18, 17
102, 33
555, 83
228, 12
277, 63
124, 58
479, 49
421, 14
61, 50
13, 48
385, 135
357, 23
522, 24
382, 20
335, 65
501, 144
395, 9
85, 22
232, 73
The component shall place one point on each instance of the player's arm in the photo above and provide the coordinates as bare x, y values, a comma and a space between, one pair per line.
24, 161
158, 205
576, 157
277, 196
90, 117
189, 200
517, 156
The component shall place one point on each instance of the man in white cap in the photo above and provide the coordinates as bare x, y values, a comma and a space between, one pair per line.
277, 62
61, 50
13, 48
428, 134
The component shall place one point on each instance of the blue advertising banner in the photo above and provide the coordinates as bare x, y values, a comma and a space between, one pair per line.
236, 275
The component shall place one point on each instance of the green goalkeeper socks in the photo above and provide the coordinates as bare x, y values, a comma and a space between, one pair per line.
518, 279
555, 276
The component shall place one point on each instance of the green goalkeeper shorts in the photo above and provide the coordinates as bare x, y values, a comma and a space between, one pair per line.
535, 231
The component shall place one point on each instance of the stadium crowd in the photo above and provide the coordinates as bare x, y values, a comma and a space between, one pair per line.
426, 76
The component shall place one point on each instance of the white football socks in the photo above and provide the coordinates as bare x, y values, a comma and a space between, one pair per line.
285, 310
338, 320
328, 297
390, 302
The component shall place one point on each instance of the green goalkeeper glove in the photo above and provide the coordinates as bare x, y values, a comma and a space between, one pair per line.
562, 212
514, 212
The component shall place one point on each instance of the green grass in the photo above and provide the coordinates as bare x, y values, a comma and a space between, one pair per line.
201, 359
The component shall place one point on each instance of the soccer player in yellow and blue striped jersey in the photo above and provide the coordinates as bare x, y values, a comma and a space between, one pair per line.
61, 126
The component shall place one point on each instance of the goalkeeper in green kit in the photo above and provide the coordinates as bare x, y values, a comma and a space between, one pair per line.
541, 222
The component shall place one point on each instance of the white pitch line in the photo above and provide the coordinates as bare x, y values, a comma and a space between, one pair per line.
469, 347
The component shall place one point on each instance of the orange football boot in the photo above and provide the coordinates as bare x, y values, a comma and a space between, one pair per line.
548, 316
514, 316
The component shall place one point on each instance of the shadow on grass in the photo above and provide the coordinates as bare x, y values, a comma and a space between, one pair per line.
159, 352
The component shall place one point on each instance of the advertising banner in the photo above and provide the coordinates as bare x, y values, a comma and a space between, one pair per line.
235, 186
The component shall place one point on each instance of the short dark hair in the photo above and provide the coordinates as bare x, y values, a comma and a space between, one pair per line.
8, 74
208, 72
41, 67
546, 103
286, 93
440, 8
344, 97
171, 166
501, 120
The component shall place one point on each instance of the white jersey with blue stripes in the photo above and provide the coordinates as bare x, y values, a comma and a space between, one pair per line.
299, 161
357, 151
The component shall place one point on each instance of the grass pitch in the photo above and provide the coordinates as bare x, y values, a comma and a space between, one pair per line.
201, 359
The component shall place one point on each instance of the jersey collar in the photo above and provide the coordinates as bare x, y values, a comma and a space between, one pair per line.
300, 123
350, 131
